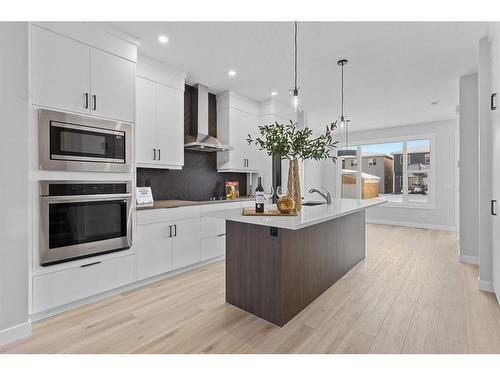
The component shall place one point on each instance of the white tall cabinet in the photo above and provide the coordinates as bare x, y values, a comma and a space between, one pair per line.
80, 68
71, 75
160, 117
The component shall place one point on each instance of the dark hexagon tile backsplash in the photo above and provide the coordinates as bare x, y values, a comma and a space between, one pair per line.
198, 180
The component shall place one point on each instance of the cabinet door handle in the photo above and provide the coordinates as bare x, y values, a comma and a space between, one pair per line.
89, 264
154, 153
169, 231
94, 100
494, 207
86, 100
221, 235
159, 154
175, 230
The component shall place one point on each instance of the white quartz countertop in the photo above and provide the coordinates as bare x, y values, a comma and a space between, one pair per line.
309, 215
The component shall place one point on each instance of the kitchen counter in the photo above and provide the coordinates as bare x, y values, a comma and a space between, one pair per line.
308, 216
171, 203
277, 266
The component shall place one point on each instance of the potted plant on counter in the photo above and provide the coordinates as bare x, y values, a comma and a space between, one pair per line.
290, 142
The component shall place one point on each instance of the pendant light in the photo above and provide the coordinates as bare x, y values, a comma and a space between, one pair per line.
344, 122
295, 91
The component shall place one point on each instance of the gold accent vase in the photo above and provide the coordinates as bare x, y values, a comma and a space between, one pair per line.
294, 184
285, 204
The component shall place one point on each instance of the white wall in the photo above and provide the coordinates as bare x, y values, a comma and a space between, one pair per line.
469, 164
485, 166
443, 214
14, 165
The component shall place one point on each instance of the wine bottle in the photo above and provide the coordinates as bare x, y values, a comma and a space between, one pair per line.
259, 197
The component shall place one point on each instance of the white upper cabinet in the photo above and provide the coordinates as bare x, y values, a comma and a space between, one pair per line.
145, 121
237, 117
61, 73
170, 125
72, 76
159, 117
112, 82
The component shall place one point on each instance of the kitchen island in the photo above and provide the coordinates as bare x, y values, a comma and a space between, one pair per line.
276, 266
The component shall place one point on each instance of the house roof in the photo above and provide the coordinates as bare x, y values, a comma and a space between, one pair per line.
414, 149
371, 154
363, 175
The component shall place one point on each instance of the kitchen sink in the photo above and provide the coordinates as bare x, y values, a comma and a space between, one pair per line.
313, 203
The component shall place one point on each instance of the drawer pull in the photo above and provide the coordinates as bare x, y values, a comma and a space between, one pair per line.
221, 235
89, 264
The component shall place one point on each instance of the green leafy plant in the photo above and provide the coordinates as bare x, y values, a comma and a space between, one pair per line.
290, 142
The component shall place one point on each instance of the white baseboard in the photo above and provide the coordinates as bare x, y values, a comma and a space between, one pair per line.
469, 259
413, 225
485, 286
137, 284
15, 333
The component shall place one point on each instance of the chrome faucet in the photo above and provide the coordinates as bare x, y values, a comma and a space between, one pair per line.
327, 196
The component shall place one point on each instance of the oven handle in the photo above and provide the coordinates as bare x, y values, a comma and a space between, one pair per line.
86, 198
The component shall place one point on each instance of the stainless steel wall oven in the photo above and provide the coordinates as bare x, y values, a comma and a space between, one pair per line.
70, 142
80, 219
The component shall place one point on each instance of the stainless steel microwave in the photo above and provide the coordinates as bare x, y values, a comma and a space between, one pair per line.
80, 219
69, 142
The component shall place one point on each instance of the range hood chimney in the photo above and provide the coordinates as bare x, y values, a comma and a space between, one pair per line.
202, 141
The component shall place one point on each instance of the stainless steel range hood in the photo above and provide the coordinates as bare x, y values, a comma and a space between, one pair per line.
202, 141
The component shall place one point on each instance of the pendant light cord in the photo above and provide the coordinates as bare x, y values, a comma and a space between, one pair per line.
295, 54
342, 97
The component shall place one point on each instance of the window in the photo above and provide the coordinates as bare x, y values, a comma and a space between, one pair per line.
418, 170
390, 179
379, 180
349, 176
408, 159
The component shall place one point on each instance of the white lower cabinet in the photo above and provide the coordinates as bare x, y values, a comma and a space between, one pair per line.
213, 247
186, 242
62, 287
154, 249
167, 239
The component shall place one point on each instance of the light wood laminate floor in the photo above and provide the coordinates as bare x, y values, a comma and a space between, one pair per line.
410, 295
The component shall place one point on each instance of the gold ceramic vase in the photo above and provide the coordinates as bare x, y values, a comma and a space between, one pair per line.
294, 184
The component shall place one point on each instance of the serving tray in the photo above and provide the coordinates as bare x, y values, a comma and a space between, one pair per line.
248, 211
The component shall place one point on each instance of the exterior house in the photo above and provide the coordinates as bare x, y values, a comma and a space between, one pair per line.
376, 164
369, 185
418, 168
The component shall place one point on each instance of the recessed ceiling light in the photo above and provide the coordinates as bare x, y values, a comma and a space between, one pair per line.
274, 93
232, 73
162, 39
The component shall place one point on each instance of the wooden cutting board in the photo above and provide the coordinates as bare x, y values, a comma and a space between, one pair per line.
247, 211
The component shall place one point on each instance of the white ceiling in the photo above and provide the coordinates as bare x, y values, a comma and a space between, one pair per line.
395, 70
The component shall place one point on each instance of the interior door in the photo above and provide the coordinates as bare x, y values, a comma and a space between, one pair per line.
60, 71
170, 125
112, 81
145, 125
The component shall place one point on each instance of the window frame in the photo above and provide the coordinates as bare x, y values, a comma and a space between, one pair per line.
430, 204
